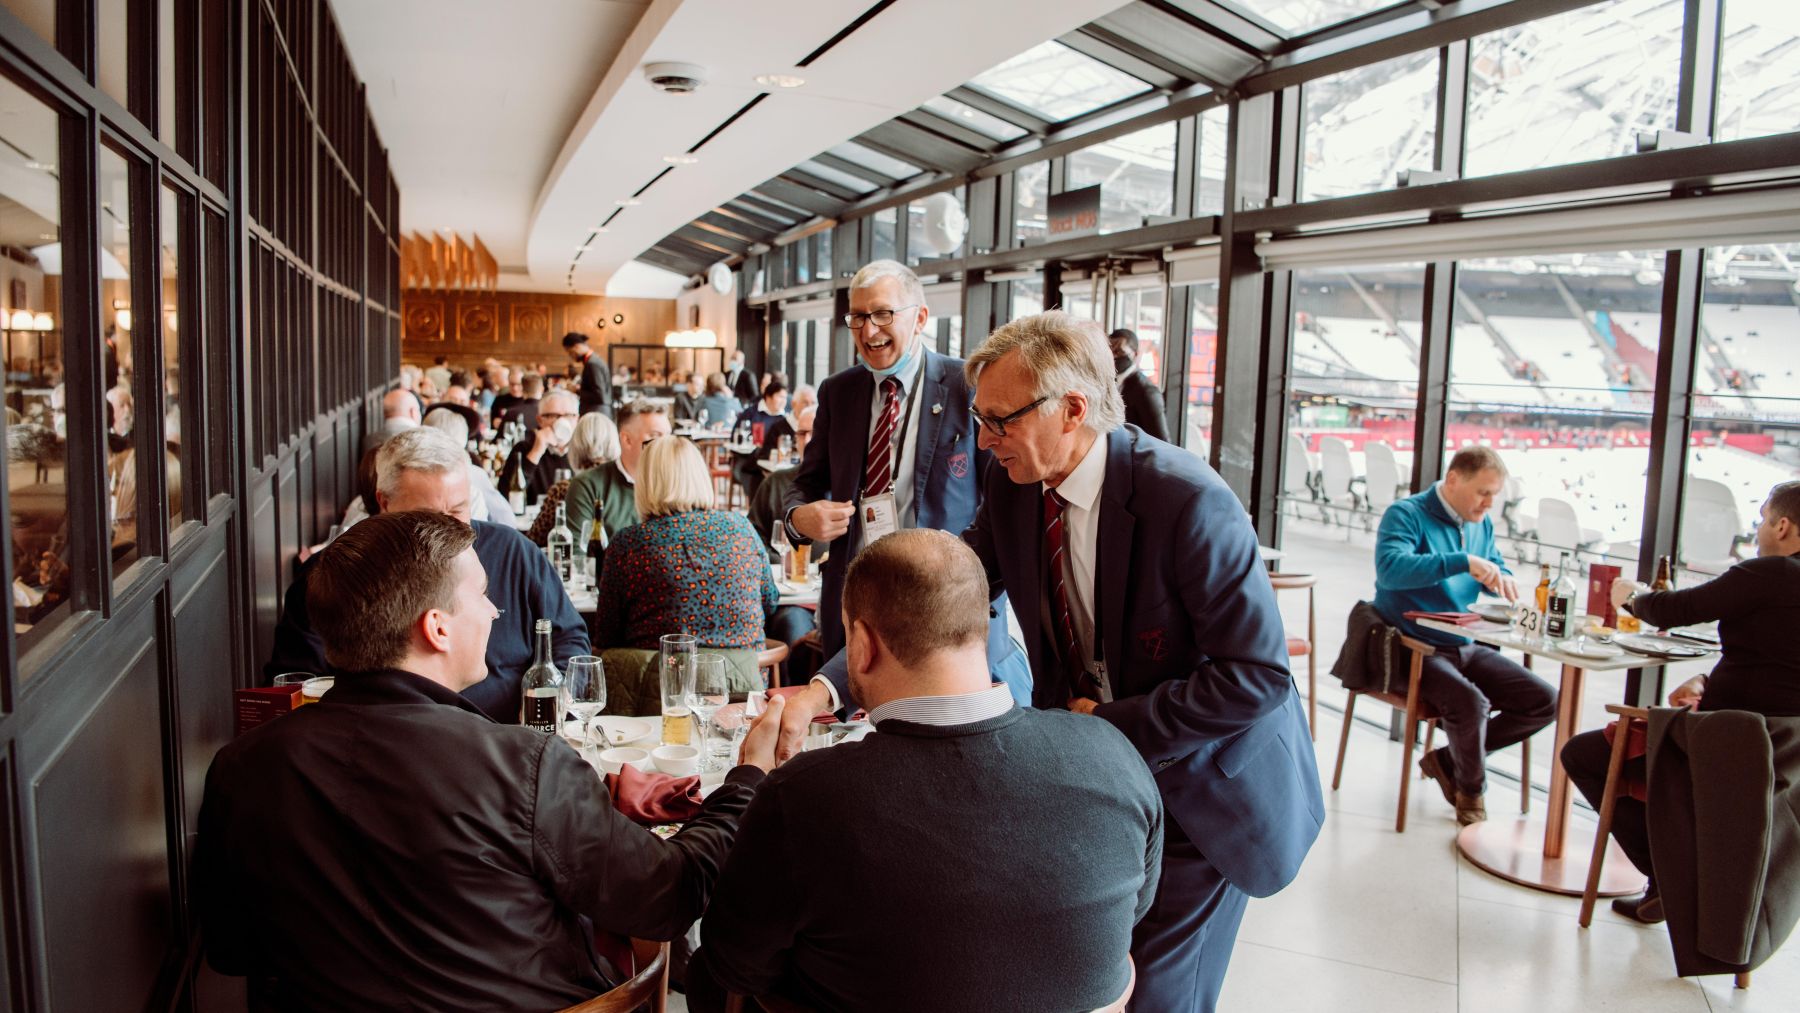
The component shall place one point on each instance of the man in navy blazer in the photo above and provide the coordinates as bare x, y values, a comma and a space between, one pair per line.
1158, 617
912, 403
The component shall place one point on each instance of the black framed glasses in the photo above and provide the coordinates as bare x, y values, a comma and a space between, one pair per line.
880, 318
997, 426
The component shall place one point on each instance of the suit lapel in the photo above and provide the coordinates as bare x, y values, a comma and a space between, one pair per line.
931, 392
1117, 527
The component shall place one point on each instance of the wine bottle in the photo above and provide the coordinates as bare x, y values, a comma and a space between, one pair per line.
559, 545
1561, 602
541, 689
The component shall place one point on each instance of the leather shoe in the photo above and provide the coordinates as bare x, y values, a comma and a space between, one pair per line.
1432, 769
1646, 909
1470, 808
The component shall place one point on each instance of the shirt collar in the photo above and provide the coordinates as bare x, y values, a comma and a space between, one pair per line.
956, 709
1082, 487
909, 372
1449, 511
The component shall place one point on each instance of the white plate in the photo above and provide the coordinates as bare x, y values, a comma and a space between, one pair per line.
622, 731
1589, 649
1492, 611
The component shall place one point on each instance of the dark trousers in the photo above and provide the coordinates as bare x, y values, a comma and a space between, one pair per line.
1584, 758
1183, 945
1485, 701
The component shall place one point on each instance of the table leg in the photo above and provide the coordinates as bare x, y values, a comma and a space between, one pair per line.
1568, 716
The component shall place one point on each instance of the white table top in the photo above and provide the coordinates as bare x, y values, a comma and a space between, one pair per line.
1502, 635
742, 448
587, 600
769, 464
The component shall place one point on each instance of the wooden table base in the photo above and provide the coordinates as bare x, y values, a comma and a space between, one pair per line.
1513, 849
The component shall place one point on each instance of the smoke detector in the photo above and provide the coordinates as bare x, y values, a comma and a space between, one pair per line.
675, 78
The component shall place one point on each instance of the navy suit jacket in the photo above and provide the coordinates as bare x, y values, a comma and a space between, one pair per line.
1194, 648
946, 478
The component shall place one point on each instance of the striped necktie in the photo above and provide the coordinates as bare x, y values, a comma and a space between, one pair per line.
878, 474
1056, 544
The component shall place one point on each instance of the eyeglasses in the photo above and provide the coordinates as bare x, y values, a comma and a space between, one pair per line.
556, 415
880, 318
997, 426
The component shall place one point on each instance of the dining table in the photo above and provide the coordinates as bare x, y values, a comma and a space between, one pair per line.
586, 598
1549, 854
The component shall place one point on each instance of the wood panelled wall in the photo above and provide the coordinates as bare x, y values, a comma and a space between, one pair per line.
513, 327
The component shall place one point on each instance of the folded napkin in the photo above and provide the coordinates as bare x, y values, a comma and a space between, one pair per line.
1459, 618
652, 798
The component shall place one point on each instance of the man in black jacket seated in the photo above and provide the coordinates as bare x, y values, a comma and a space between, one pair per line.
424, 469
391, 847
1757, 604
895, 873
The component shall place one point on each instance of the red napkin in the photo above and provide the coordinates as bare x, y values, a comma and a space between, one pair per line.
651, 799
1459, 618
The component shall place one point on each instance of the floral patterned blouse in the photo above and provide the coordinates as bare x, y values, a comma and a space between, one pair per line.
702, 572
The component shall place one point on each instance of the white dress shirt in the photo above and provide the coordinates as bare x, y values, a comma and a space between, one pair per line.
1081, 541
959, 709
905, 440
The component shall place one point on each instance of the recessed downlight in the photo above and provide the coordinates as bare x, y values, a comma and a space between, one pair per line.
682, 159
628, 202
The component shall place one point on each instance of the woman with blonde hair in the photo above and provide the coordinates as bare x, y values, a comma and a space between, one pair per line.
685, 567
594, 445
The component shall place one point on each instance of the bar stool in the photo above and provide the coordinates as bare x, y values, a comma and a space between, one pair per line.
1617, 786
1416, 710
1309, 646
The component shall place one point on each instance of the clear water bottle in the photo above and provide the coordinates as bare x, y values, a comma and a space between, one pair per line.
541, 690
1559, 617
559, 545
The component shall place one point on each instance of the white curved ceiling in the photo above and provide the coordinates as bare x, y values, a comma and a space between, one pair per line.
525, 122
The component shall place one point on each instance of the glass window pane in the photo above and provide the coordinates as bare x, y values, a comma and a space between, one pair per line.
111, 74
165, 71
1140, 309
1027, 296
822, 265
1215, 142
1573, 88
1297, 16
855, 184
119, 364
885, 222
1203, 360
955, 348
1136, 174
803, 261
1746, 430
38, 15
869, 158
36, 441
175, 373
217, 336
819, 335
1057, 83
1365, 125
1031, 204
975, 119
1758, 66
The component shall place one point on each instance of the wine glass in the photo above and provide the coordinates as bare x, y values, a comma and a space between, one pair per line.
711, 691
755, 702
586, 687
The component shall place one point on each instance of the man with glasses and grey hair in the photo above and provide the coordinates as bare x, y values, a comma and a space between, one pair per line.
1144, 603
547, 453
424, 469
896, 449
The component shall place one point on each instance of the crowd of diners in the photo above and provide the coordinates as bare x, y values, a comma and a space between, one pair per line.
1088, 751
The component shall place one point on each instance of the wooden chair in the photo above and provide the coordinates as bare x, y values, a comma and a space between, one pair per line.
768, 661
649, 986
718, 465
1416, 710
1617, 787
1308, 647
735, 1003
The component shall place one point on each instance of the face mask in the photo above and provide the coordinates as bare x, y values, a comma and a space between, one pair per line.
562, 430
899, 365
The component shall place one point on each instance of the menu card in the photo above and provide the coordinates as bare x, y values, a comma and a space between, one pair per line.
264, 703
1599, 595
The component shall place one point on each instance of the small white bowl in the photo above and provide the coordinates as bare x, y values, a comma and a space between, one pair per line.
611, 760
679, 761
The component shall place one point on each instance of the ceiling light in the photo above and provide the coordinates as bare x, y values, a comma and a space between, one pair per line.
628, 202
780, 80
683, 159
45, 166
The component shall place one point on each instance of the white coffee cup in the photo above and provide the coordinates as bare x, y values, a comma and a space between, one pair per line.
679, 761
611, 760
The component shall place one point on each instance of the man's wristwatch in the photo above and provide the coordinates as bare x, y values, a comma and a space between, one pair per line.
793, 534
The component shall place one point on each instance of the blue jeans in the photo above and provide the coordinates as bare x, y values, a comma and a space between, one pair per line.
1485, 701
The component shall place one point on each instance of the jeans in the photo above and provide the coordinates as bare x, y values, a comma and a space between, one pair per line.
1485, 701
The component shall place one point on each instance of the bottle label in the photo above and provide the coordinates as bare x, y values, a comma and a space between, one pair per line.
540, 709
1556, 624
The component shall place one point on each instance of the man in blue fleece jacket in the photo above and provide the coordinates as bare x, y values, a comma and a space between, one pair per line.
1434, 553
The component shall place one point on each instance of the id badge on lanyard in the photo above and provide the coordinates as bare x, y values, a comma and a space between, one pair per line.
880, 517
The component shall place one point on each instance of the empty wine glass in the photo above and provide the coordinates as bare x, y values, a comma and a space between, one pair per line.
585, 683
712, 690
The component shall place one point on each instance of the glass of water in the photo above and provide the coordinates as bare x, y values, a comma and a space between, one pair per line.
585, 683
712, 690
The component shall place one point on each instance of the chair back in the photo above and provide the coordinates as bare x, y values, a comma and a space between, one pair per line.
1334, 467
1557, 527
648, 987
1383, 482
1710, 526
1296, 471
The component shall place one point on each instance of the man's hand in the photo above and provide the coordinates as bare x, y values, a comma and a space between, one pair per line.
1688, 694
758, 749
1082, 705
822, 520
541, 439
797, 721
1488, 574
1622, 588
1509, 588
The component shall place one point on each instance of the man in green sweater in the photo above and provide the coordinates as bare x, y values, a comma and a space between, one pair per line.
611, 488
895, 873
